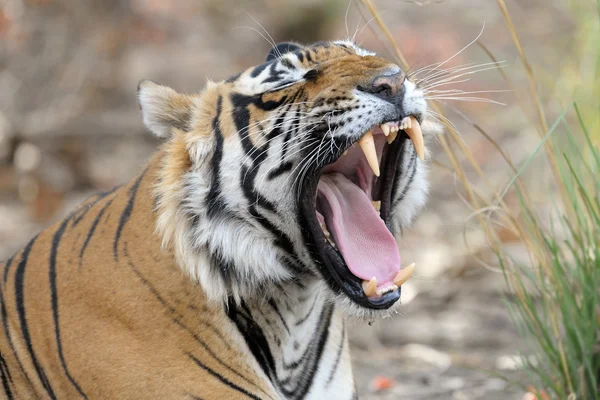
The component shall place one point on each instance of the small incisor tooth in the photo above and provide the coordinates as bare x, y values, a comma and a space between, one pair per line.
392, 137
404, 274
385, 128
416, 135
367, 145
377, 205
370, 287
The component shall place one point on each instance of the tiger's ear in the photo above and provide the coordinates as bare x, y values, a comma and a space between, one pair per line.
282, 48
163, 108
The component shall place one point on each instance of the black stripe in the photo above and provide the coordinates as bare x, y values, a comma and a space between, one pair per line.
257, 70
293, 131
241, 119
4, 316
286, 166
247, 178
259, 347
126, 213
233, 78
304, 357
272, 304
6, 379
308, 56
308, 314
275, 75
92, 230
5, 368
281, 240
280, 170
54, 297
214, 202
224, 266
6, 267
287, 63
254, 337
91, 204
176, 318
412, 164
80, 212
222, 378
338, 357
20, 302
254, 198
307, 381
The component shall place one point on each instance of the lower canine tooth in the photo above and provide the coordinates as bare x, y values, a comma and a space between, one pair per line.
404, 274
370, 287
377, 205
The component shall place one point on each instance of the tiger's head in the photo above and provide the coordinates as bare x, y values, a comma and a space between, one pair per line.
296, 171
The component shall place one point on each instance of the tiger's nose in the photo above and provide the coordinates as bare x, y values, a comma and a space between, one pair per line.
390, 85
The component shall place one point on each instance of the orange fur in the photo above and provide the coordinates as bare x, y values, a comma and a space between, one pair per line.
130, 320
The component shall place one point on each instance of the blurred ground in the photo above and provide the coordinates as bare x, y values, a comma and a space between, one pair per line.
70, 125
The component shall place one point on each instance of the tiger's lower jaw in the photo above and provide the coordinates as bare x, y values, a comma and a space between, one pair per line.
349, 222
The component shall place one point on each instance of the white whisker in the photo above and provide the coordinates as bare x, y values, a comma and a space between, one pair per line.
464, 48
466, 99
455, 77
440, 75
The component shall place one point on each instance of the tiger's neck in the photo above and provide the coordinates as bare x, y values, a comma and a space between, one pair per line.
293, 331
299, 340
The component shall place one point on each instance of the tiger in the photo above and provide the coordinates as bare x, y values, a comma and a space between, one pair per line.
230, 266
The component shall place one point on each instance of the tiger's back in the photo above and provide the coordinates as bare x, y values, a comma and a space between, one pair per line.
93, 300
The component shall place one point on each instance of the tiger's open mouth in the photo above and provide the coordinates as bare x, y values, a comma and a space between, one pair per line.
349, 210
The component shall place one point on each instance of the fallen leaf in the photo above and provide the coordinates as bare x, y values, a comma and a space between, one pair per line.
380, 383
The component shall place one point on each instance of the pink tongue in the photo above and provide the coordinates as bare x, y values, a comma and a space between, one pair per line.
367, 245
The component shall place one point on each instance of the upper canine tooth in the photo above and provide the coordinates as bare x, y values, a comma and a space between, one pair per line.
370, 287
416, 135
385, 128
367, 145
404, 274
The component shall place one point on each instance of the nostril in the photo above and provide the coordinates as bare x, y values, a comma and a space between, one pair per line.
377, 88
383, 87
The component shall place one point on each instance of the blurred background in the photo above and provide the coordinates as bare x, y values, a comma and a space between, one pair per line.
70, 125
